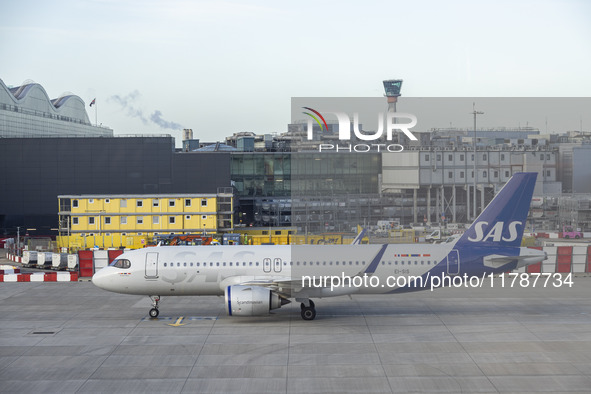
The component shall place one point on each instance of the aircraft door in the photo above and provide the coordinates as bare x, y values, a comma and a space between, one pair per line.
151, 265
453, 262
267, 265
277, 265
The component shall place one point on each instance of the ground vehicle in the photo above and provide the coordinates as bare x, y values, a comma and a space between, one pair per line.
436, 235
570, 232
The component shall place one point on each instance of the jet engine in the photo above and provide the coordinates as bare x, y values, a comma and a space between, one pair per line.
251, 300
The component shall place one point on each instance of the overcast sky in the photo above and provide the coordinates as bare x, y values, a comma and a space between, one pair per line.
221, 67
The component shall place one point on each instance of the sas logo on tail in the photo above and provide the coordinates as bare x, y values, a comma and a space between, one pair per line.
496, 233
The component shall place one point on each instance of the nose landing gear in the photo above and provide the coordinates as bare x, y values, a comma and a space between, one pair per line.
154, 311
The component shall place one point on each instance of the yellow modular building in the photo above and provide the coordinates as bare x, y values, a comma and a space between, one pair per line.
112, 220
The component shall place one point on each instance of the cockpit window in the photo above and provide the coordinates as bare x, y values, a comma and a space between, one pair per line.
121, 263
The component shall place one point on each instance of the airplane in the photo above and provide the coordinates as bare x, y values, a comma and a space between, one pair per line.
257, 279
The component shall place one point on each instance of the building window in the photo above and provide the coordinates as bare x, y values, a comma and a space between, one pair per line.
502, 156
107, 200
461, 174
204, 217
74, 220
548, 156
472, 172
107, 220
506, 174
204, 202
91, 200
139, 203
426, 157
472, 156
74, 203
140, 220
91, 220
438, 157
484, 174
171, 219
450, 157
187, 202
462, 157
155, 219
547, 172
155, 203
188, 217
450, 174
496, 174
123, 219
123, 203
484, 156
171, 203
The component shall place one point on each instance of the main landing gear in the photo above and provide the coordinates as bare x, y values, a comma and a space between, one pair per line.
154, 311
308, 312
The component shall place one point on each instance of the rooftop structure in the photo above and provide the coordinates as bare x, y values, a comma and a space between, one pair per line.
27, 111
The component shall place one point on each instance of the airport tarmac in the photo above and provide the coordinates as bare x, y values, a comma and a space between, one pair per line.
72, 337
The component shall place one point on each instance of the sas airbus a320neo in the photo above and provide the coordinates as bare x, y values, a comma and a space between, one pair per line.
257, 279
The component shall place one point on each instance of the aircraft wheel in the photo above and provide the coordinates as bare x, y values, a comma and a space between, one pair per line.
154, 312
308, 313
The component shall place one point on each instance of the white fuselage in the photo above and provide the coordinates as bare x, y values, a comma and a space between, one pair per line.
207, 270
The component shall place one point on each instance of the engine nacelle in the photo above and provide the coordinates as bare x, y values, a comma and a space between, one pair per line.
251, 300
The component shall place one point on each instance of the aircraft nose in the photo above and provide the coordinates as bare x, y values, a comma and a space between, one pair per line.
98, 279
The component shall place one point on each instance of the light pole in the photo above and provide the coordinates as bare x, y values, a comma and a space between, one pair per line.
474, 112
18, 240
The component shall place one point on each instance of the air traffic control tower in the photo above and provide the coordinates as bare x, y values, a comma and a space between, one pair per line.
392, 88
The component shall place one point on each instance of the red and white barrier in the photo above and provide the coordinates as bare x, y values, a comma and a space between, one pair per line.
15, 258
41, 277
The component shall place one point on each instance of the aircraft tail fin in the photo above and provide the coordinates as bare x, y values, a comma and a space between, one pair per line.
502, 222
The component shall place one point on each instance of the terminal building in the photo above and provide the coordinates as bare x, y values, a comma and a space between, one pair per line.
27, 111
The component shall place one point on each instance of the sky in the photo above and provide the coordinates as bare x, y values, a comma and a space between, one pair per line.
220, 67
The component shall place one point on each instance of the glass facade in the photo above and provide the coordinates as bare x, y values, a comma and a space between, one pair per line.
305, 189
261, 174
303, 174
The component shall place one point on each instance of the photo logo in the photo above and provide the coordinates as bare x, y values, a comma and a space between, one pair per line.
345, 125
316, 119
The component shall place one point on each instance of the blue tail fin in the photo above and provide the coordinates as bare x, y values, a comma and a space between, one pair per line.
503, 220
